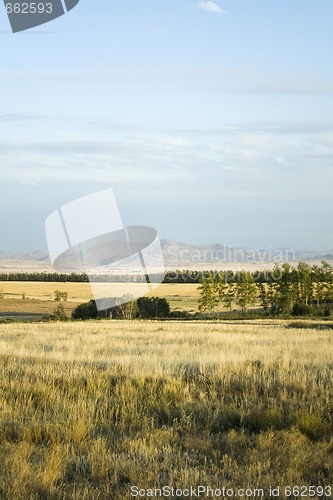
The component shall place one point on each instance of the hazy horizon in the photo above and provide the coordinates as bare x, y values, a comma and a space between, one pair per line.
226, 246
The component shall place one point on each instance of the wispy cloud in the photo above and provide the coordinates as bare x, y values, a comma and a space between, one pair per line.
210, 7
30, 183
263, 152
176, 178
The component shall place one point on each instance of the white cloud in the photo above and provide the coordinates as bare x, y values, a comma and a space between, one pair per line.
30, 183
210, 7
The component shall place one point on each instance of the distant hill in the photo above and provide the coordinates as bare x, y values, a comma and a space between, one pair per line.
179, 255
36, 255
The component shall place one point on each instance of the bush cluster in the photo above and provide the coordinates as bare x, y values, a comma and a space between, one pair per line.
125, 308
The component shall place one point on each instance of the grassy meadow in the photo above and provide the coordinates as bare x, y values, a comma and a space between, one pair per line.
89, 409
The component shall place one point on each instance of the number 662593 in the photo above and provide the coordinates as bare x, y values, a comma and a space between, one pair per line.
29, 8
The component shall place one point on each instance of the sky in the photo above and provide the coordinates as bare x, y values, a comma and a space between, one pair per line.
211, 121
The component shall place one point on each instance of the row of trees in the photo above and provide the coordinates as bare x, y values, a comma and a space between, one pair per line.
284, 290
169, 277
45, 277
178, 276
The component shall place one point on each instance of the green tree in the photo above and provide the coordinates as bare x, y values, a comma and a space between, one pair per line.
225, 291
263, 296
246, 291
209, 294
277, 293
59, 314
272, 290
304, 289
285, 289
327, 282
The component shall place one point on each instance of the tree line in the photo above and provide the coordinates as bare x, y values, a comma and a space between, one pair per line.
45, 277
301, 290
178, 276
78, 277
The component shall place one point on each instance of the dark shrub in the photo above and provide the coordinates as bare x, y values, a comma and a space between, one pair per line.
153, 307
301, 310
87, 310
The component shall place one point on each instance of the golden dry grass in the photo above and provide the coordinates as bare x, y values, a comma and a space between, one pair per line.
40, 296
89, 409
77, 292
154, 345
80, 292
31, 308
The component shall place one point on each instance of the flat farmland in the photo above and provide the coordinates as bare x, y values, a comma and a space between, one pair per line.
77, 292
39, 296
91, 409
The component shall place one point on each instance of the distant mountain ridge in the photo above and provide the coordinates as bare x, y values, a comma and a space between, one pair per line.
177, 253
35, 255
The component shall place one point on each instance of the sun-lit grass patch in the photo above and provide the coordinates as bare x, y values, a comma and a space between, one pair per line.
89, 409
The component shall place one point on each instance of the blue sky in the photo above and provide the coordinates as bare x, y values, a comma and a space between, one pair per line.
212, 121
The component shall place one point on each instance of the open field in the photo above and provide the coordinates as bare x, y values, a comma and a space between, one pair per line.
89, 409
77, 292
39, 299
31, 309
80, 292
